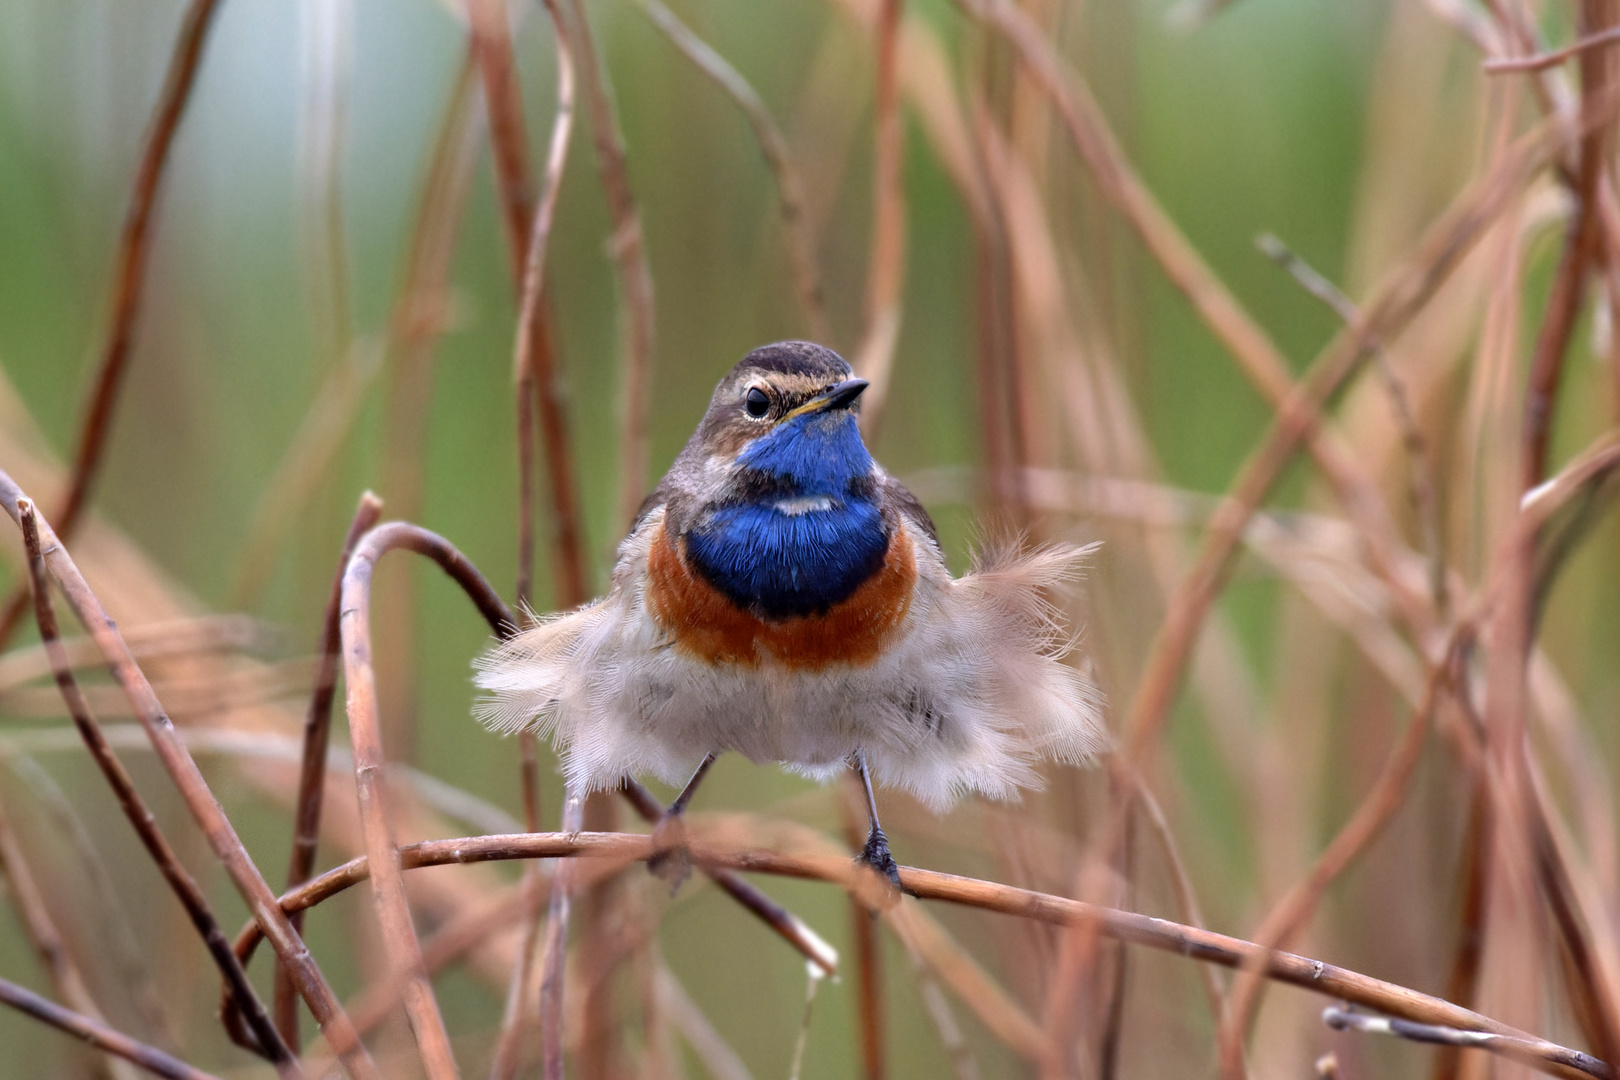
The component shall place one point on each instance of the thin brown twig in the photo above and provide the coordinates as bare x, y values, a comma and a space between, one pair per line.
1597, 1011
1537, 1056
129, 282
1581, 242
1543, 61
630, 259
868, 1000
1164, 935
263, 1037
451, 942
534, 385
556, 948
886, 267
1298, 417
1258, 358
388, 887
97, 1034
205, 809
773, 145
1396, 300
1518, 853
1386, 796
932, 947
116, 942
1421, 478
312, 768
534, 366
1181, 884
39, 925
503, 101
789, 926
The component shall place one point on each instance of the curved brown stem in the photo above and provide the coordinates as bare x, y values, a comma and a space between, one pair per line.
616, 849
388, 887
199, 799
129, 282
312, 768
96, 1034
260, 1034
628, 246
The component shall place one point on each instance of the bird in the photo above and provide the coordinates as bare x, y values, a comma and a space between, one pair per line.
781, 596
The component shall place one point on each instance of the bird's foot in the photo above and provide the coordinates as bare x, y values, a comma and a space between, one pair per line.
671, 861
876, 855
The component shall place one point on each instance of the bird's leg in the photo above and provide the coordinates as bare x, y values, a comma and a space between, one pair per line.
876, 852
671, 861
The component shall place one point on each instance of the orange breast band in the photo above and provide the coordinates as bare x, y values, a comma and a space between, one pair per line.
704, 622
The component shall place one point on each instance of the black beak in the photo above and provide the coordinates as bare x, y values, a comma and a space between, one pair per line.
837, 396
841, 395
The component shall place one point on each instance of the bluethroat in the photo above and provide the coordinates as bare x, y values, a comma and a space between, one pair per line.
780, 595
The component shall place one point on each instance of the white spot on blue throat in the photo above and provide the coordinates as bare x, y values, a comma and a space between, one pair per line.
803, 504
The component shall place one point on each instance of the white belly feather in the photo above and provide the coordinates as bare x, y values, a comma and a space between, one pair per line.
970, 696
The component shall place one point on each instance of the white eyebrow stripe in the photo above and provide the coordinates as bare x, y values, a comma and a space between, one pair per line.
803, 504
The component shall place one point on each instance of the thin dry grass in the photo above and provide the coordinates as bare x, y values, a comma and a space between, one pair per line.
1419, 575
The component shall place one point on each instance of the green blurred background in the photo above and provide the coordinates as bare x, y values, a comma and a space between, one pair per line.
1253, 123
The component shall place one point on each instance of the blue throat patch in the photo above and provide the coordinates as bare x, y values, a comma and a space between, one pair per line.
808, 534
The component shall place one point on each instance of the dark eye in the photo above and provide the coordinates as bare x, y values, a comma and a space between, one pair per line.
758, 402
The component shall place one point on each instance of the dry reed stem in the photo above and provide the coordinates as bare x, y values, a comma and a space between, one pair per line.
1258, 358
116, 943
97, 1034
1386, 796
451, 942
509, 1042
617, 849
532, 361
1397, 298
1581, 242
886, 266
261, 1034
868, 1000
1420, 466
409, 392
129, 282
629, 258
1543, 61
503, 103
205, 809
457, 937
1538, 1057
34, 916
1586, 935
317, 738
773, 146
789, 926
932, 947
164, 640
945, 1025
1181, 885
534, 368
1298, 416
556, 949
388, 887
1593, 993
534, 374
712, 1051
1490, 434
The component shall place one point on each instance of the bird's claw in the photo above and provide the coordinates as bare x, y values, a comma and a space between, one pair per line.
876, 855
